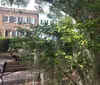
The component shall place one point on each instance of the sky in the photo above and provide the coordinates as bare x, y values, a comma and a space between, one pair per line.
30, 6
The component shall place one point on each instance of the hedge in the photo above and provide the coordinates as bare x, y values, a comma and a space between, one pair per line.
14, 43
4, 44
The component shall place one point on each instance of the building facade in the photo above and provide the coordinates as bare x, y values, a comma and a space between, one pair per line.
43, 18
47, 18
11, 19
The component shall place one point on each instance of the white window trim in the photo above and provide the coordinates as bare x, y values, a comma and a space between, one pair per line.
43, 21
16, 20
24, 20
8, 19
32, 20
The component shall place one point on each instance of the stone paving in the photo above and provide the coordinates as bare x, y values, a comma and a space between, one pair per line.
16, 77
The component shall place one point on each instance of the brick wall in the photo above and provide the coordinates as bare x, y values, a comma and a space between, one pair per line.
16, 13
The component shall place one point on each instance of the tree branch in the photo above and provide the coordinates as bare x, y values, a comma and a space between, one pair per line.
67, 75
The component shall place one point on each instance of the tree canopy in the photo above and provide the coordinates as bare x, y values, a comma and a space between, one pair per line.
77, 45
80, 10
22, 3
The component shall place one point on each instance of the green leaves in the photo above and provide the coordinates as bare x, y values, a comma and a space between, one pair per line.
22, 3
69, 57
69, 50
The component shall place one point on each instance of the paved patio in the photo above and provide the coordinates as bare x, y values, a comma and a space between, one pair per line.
16, 77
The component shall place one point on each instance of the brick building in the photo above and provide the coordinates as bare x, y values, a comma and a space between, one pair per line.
11, 19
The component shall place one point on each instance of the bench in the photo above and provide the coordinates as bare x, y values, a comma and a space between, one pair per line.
10, 67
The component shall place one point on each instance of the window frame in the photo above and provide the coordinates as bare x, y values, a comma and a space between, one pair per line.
7, 20
16, 19
33, 21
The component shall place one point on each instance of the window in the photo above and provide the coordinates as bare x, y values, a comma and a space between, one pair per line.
47, 21
29, 20
41, 22
15, 19
8, 33
13, 33
51, 22
32, 21
24, 20
35, 21
20, 20
18, 34
11, 19
6, 19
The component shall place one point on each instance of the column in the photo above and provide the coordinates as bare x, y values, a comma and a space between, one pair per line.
16, 34
4, 31
11, 34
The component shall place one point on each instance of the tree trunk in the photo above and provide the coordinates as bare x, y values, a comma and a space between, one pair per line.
96, 80
42, 78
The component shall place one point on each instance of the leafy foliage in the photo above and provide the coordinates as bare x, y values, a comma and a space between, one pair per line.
4, 44
75, 44
65, 52
22, 3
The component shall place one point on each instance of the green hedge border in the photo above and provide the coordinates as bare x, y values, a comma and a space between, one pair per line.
4, 44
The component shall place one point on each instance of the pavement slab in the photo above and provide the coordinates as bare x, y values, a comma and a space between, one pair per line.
16, 78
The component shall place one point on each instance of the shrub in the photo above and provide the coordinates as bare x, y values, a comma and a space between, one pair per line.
4, 44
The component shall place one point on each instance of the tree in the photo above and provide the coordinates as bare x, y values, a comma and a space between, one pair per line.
86, 13
60, 56
22, 3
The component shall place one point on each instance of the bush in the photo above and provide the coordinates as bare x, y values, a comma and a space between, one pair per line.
14, 43
4, 44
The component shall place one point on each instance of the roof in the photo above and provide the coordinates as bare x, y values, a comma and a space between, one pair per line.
5, 9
